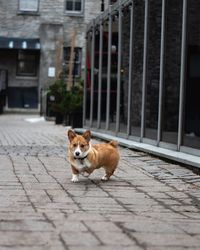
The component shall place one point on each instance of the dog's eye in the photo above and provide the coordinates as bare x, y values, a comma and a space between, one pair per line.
82, 145
74, 145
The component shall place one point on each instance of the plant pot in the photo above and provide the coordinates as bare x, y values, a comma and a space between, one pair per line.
76, 120
59, 118
67, 120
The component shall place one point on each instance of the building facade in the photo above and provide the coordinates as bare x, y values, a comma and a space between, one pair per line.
36, 38
143, 73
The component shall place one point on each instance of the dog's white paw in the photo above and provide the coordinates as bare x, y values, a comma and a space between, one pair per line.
85, 174
104, 178
74, 178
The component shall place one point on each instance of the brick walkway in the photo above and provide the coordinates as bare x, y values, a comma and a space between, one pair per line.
148, 204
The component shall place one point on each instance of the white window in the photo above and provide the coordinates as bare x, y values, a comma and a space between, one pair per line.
74, 6
28, 5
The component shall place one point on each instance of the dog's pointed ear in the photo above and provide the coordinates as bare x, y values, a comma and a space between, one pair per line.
87, 135
71, 135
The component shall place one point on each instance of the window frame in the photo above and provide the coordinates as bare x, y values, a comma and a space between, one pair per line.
26, 60
28, 10
75, 12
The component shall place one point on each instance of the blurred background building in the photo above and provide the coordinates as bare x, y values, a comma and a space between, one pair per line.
36, 40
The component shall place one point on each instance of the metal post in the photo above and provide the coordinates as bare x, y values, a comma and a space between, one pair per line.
144, 80
162, 55
85, 82
92, 75
131, 47
109, 69
100, 73
182, 73
119, 68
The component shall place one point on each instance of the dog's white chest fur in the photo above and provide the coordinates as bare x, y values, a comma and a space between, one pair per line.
81, 164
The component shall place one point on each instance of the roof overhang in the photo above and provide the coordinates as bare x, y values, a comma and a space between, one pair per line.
19, 43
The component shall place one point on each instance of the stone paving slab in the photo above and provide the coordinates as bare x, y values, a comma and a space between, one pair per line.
149, 204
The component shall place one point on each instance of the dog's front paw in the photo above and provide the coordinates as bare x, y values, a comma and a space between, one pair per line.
105, 178
74, 178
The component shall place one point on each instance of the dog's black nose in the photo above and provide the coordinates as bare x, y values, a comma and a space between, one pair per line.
77, 153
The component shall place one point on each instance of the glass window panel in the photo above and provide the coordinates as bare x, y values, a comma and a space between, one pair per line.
67, 54
21, 66
74, 5
124, 69
69, 5
76, 61
170, 112
27, 64
88, 77
77, 6
104, 75
138, 42
96, 78
191, 136
153, 69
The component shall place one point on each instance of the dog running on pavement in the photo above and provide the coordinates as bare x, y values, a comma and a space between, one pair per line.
85, 157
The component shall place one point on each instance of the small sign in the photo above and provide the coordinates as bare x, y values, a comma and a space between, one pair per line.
51, 72
52, 98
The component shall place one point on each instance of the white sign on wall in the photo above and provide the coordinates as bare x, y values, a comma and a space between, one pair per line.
51, 72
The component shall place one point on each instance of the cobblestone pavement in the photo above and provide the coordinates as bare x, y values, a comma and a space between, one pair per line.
149, 203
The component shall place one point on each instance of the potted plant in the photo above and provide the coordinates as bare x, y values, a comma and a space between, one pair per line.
75, 105
57, 93
67, 104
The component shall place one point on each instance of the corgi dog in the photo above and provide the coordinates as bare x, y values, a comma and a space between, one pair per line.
85, 157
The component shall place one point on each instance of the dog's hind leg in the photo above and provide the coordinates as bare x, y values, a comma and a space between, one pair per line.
108, 173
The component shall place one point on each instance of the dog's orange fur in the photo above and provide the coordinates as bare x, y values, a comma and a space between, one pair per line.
104, 155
